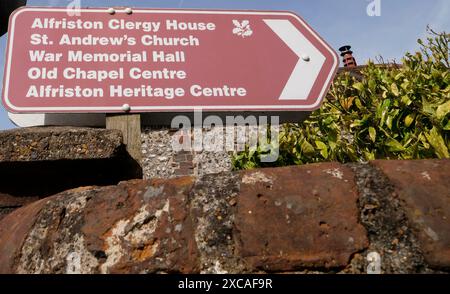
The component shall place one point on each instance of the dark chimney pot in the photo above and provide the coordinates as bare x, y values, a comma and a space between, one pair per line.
347, 56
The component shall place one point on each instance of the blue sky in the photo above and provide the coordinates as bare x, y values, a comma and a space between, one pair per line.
341, 22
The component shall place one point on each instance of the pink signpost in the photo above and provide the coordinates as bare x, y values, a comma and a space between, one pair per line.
147, 60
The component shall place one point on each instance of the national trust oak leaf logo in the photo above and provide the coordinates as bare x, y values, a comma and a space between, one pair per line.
242, 29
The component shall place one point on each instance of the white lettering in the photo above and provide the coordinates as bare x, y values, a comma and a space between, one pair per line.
79, 24
145, 91
90, 40
41, 55
98, 75
80, 56
153, 40
62, 92
164, 74
35, 73
121, 24
225, 91
191, 26
161, 56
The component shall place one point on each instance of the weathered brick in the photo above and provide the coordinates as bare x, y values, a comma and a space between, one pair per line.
184, 172
298, 217
189, 157
302, 219
186, 165
424, 188
10, 203
135, 227
14, 229
183, 157
180, 157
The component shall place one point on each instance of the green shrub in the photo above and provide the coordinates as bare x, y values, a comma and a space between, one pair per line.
392, 112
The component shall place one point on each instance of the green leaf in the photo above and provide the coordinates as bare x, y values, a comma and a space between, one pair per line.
359, 104
307, 148
356, 123
383, 110
328, 121
405, 85
437, 142
409, 119
372, 134
405, 100
321, 145
389, 121
447, 126
359, 86
395, 90
399, 76
427, 107
324, 153
372, 85
332, 144
252, 151
369, 155
323, 149
443, 110
394, 145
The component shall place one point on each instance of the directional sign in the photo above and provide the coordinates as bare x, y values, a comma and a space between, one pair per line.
142, 60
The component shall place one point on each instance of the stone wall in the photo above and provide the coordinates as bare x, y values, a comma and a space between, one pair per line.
192, 214
40, 162
160, 161
319, 218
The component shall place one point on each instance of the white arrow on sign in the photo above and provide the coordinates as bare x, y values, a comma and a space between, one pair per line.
308, 66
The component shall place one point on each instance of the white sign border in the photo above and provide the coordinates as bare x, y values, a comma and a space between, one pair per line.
118, 109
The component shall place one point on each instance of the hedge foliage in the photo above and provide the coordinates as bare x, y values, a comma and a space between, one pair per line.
392, 112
